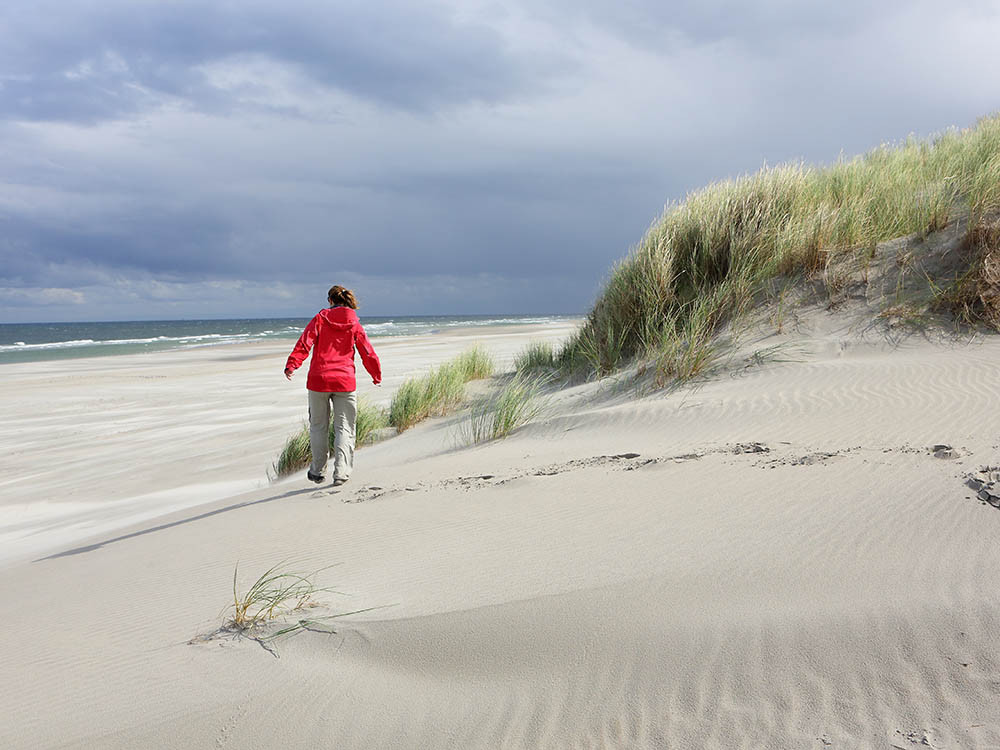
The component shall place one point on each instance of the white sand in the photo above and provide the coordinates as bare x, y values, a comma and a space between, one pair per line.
90, 445
837, 588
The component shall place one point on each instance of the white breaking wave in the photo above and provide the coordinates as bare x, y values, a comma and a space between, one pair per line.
20, 346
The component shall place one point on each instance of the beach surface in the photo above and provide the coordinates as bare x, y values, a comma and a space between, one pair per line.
784, 554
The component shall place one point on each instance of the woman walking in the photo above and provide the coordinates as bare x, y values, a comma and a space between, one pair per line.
333, 336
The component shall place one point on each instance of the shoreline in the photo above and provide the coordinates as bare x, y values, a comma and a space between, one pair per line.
70, 341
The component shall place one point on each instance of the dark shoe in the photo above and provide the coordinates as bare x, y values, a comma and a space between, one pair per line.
317, 478
337, 481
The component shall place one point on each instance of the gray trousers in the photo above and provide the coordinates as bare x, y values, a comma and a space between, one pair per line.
345, 412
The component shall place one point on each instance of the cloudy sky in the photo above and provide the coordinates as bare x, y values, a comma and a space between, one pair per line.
231, 158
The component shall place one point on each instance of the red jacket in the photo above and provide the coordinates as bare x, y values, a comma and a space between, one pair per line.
332, 335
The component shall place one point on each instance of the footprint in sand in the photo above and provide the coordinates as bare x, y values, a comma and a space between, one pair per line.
986, 484
942, 450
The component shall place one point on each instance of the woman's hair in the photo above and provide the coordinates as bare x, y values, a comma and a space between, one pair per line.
338, 295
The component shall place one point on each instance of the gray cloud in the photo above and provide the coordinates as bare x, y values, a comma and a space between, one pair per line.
160, 243
88, 61
759, 26
496, 223
182, 159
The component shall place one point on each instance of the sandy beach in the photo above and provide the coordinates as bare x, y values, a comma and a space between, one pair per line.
785, 554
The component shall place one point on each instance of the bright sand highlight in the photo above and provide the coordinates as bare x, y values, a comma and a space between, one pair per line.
773, 558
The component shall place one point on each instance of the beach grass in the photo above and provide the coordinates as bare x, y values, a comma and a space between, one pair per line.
537, 356
514, 404
297, 453
440, 390
475, 364
976, 294
370, 419
707, 259
275, 592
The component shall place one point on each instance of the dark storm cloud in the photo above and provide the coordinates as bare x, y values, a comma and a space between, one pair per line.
459, 153
497, 222
174, 244
87, 61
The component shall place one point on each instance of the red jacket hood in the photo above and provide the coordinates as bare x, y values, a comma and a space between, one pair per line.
339, 317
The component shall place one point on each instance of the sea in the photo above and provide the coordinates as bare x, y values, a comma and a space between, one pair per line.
32, 342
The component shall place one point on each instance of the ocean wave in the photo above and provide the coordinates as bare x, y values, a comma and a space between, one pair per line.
379, 327
20, 346
437, 325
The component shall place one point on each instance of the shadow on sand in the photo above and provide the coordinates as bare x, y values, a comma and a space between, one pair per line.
172, 524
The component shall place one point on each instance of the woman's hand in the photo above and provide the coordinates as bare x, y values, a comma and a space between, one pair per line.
288, 373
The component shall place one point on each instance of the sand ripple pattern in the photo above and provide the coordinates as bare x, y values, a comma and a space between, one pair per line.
790, 557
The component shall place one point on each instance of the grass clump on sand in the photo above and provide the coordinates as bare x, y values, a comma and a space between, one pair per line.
370, 419
277, 593
515, 404
274, 593
474, 364
441, 389
976, 295
297, 454
538, 356
707, 259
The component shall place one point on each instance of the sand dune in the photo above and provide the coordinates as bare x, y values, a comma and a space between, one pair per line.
775, 557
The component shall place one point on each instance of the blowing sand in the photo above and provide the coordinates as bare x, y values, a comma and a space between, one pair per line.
772, 558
